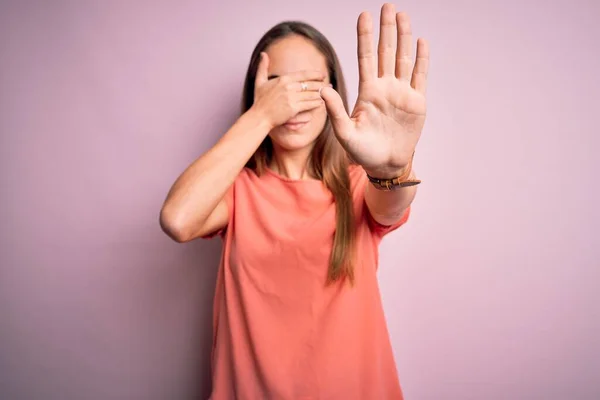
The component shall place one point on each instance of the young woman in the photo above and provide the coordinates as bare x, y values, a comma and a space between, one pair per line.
302, 194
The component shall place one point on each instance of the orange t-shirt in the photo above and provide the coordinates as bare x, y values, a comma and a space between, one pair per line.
278, 331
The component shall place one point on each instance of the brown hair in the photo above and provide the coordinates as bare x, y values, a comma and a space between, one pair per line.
328, 160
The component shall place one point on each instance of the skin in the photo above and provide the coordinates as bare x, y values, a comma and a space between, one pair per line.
381, 133
384, 128
293, 144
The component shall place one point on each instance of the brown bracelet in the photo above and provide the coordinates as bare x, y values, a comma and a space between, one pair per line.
401, 181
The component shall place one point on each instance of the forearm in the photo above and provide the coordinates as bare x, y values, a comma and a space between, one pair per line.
204, 183
387, 207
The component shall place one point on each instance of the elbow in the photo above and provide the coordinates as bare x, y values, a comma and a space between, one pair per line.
174, 226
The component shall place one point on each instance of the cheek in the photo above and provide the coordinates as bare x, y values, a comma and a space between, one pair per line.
318, 117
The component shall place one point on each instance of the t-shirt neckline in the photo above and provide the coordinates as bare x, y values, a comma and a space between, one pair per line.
290, 180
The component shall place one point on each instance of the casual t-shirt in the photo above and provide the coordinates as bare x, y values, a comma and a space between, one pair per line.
278, 331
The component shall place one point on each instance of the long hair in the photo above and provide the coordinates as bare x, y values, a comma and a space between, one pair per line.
329, 161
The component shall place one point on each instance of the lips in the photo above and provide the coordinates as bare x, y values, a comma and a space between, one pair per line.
295, 125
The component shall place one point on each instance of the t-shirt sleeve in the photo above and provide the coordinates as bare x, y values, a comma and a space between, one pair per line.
229, 201
359, 183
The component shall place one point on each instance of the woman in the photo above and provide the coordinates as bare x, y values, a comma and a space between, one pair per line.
302, 194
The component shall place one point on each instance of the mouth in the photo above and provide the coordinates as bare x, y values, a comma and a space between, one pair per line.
295, 125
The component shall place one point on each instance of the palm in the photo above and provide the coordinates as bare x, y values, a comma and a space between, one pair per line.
388, 118
383, 130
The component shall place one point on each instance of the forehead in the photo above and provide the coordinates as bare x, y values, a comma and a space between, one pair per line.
294, 53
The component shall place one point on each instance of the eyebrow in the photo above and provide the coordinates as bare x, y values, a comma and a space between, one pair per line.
273, 77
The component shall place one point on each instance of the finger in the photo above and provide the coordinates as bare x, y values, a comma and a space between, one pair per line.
307, 96
419, 75
387, 40
311, 86
302, 76
309, 105
404, 61
262, 73
366, 54
337, 113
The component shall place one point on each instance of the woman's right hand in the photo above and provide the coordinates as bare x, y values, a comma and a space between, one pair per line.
282, 98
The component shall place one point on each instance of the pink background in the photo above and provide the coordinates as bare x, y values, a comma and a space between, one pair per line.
491, 290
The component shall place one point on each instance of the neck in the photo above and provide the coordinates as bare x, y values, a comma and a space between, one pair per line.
292, 164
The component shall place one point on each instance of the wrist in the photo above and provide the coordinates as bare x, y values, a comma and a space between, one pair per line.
391, 173
261, 118
393, 178
406, 178
402, 173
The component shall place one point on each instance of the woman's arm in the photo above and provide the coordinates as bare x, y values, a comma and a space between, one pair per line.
195, 204
389, 115
388, 207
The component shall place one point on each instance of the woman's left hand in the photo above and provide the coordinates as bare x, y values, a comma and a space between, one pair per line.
387, 120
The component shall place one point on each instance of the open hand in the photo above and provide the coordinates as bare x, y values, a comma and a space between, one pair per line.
383, 130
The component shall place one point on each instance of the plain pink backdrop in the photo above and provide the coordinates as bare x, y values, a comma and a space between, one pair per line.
491, 290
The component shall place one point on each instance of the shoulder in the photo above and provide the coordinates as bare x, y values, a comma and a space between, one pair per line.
248, 176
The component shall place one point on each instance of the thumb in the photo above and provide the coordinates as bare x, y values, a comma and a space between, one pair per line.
336, 111
262, 74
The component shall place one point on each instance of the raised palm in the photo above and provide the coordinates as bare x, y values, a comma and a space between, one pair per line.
383, 130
